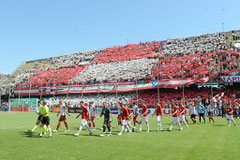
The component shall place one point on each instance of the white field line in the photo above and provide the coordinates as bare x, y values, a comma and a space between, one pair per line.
14, 127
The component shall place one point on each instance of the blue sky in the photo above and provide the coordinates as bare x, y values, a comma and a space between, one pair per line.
32, 30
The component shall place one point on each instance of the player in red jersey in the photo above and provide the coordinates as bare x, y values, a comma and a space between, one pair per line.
124, 115
175, 117
158, 111
84, 121
229, 114
119, 116
129, 118
182, 112
144, 117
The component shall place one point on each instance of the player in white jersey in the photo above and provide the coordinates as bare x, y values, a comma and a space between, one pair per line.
135, 115
210, 112
92, 115
63, 111
193, 112
182, 114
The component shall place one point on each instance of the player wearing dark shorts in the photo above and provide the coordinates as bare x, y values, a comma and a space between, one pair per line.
193, 113
201, 112
210, 112
45, 120
107, 114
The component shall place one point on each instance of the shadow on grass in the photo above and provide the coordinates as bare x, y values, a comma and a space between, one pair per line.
27, 134
218, 125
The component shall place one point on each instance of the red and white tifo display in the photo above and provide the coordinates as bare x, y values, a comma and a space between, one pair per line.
147, 65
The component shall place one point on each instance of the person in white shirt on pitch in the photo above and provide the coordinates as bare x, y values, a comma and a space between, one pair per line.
63, 112
92, 115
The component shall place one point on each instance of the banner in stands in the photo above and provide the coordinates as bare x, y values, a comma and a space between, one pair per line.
55, 109
106, 87
74, 110
230, 78
21, 109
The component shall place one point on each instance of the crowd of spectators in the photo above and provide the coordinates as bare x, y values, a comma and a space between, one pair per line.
129, 70
183, 66
203, 43
23, 77
191, 94
197, 64
72, 59
129, 52
45, 77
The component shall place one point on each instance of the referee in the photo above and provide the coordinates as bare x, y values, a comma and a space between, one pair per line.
44, 111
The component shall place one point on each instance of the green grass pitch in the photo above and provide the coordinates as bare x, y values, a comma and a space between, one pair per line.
205, 141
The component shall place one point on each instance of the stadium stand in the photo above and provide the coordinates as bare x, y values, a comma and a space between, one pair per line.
2, 76
5, 80
30, 65
200, 56
209, 55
